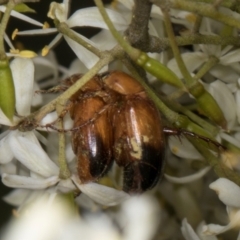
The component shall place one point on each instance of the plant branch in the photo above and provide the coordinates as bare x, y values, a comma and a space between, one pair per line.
169, 29
205, 10
64, 171
231, 4
137, 32
160, 44
64, 29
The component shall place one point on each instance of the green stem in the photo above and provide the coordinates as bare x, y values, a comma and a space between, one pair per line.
64, 29
206, 39
151, 65
195, 118
218, 166
169, 29
135, 53
205, 10
176, 94
160, 44
197, 24
174, 118
168, 113
212, 61
64, 171
231, 4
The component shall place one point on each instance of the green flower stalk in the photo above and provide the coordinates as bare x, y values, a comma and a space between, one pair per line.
158, 70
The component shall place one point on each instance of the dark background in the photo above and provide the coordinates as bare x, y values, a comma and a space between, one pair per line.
64, 55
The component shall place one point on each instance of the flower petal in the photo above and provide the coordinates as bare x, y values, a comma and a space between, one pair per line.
231, 57
16, 181
23, 77
237, 97
142, 216
22, 16
101, 194
225, 100
49, 118
127, 4
187, 231
10, 168
16, 197
46, 68
211, 50
92, 17
201, 235
228, 192
88, 58
183, 148
6, 154
102, 37
42, 219
32, 156
66, 186
192, 61
37, 99
189, 178
230, 139
214, 229
224, 73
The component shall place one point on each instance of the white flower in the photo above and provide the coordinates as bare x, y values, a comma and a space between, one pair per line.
185, 150
229, 193
54, 218
25, 165
189, 178
83, 17
23, 77
140, 217
22, 16
46, 71
223, 70
44, 173
189, 233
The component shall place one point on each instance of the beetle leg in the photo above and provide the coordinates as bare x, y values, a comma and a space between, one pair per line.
65, 111
64, 85
56, 89
179, 132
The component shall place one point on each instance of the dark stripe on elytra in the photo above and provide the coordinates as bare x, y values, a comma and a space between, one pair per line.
142, 175
100, 163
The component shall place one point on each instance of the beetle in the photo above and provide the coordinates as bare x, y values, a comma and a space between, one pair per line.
92, 142
138, 139
115, 120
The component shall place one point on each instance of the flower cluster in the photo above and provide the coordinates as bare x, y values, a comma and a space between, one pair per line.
30, 159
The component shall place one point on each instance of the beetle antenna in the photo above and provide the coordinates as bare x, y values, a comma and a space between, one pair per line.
179, 132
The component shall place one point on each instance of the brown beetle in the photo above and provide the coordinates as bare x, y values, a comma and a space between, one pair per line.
139, 143
114, 119
92, 142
